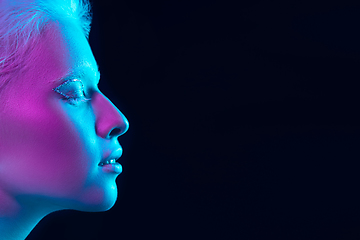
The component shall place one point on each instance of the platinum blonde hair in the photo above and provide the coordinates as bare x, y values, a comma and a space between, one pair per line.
22, 22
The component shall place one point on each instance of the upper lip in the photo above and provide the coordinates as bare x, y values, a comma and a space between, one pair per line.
114, 155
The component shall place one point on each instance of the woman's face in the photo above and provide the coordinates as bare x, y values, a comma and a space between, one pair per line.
52, 141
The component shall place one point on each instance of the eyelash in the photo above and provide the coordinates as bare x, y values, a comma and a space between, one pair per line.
77, 100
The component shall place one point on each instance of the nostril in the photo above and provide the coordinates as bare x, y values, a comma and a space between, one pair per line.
115, 132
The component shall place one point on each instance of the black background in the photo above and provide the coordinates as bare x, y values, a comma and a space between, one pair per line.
243, 121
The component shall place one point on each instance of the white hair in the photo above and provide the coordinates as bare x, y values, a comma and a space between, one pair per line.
22, 22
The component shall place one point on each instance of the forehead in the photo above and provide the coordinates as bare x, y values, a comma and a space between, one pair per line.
63, 51
80, 59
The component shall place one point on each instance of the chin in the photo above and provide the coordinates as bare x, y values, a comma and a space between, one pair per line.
93, 199
98, 199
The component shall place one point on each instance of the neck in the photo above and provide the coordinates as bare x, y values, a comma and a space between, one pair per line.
18, 219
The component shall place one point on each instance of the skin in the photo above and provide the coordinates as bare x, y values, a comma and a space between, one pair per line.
50, 147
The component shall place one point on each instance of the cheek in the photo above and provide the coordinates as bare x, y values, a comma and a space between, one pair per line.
45, 153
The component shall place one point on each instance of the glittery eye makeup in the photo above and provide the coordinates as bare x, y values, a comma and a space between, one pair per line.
73, 91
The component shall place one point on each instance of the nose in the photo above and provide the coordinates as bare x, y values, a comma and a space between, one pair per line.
110, 122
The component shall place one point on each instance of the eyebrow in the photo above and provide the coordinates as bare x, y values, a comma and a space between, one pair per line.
81, 73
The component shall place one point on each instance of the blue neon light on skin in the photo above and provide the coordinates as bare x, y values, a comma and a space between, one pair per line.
56, 127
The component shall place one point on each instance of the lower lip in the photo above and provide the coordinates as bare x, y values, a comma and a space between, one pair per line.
112, 168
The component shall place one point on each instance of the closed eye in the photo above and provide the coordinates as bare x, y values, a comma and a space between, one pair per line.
72, 91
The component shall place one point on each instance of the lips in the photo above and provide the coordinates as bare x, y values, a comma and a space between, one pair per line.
107, 162
114, 156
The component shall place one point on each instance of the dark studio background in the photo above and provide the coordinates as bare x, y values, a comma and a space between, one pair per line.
243, 121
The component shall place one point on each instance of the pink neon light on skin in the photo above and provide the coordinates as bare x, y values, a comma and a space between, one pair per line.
50, 149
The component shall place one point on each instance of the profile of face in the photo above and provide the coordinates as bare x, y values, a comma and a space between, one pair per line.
57, 130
